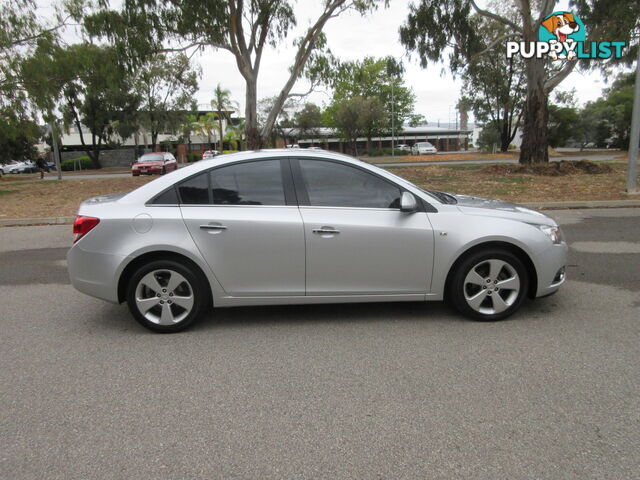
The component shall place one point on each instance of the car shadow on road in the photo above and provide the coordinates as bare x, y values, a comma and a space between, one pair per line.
327, 313
118, 316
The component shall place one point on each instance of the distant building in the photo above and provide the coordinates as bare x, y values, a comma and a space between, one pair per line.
445, 139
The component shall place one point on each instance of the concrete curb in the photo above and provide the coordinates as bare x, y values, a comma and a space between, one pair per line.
586, 205
23, 222
18, 222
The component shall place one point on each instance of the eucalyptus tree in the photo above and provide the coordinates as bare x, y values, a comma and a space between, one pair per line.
244, 29
438, 28
89, 86
166, 85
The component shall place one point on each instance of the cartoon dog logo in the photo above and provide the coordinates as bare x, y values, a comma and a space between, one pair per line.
561, 25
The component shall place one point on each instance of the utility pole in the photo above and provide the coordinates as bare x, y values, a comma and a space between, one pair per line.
632, 169
56, 153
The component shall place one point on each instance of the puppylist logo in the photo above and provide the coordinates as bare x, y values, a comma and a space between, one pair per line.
562, 36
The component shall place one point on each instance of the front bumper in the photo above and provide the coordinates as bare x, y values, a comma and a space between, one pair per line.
551, 266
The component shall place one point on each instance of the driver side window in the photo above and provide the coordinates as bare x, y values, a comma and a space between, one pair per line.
333, 184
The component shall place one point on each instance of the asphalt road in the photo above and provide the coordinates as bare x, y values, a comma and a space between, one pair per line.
375, 391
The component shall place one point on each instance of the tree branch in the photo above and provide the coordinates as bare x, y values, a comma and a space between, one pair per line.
494, 16
475, 56
555, 80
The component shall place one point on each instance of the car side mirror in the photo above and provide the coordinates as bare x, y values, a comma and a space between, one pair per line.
408, 203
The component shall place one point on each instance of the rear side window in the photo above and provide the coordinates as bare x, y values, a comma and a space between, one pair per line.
195, 191
331, 184
252, 183
167, 198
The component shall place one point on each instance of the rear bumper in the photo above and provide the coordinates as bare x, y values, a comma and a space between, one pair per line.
551, 269
94, 273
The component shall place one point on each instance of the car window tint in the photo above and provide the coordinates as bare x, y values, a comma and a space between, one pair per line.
167, 198
195, 191
331, 184
253, 183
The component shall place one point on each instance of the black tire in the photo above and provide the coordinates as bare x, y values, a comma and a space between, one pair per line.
477, 260
195, 282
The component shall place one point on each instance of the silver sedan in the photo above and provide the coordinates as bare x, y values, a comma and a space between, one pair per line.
302, 227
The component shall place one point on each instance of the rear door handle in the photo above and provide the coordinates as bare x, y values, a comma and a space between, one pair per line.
213, 227
326, 230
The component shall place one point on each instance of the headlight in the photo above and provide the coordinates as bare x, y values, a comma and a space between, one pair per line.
554, 233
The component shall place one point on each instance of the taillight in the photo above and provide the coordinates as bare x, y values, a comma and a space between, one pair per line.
83, 225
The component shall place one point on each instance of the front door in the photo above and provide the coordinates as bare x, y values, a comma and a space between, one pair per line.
358, 242
246, 228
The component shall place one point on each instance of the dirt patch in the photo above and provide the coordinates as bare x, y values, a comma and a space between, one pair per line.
552, 169
52, 198
507, 182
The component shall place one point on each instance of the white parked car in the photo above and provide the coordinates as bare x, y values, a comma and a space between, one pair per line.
404, 147
423, 148
23, 167
7, 167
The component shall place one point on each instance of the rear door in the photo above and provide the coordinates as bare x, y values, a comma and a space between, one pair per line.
245, 222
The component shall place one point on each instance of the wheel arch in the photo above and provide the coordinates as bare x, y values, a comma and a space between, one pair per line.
501, 245
147, 257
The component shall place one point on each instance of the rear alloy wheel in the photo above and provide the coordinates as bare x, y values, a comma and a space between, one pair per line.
490, 285
166, 296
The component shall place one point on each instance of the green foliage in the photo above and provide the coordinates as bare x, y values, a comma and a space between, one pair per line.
308, 120
356, 117
18, 136
563, 124
610, 116
89, 85
166, 85
381, 79
21, 30
205, 126
489, 137
494, 85
609, 20
71, 164
222, 104
194, 157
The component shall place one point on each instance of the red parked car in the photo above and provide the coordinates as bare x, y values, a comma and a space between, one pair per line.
157, 162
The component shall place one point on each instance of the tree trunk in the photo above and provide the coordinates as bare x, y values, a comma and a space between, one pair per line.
254, 140
220, 145
505, 138
535, 142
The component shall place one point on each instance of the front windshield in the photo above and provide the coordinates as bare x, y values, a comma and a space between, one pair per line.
151, 158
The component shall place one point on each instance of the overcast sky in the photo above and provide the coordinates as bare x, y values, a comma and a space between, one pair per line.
351, 37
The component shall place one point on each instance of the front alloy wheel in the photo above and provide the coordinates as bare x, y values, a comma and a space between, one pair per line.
490, 285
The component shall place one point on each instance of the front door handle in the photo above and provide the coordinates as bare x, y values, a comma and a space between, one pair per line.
213, 227
326, 231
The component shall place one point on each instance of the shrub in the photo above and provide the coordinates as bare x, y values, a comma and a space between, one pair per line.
193, 157
71, 163
229, 151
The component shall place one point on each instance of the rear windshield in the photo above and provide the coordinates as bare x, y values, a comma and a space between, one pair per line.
151, 157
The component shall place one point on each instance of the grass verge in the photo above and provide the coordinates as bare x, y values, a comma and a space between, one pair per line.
568, 181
